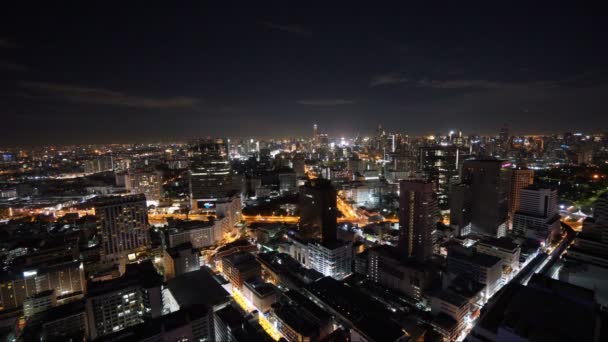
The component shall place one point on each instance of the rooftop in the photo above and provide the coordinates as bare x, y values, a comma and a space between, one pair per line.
187, 289
503, 242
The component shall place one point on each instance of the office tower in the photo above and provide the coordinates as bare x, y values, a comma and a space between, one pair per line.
318, 208
440, 164
116, 304
122, 226
483, 194
315, 134
211, 175
66, 278
331, 258
538, 215
519, 179
418, 216
180, 259
147, 182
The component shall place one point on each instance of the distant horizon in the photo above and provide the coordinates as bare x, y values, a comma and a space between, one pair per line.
186, 140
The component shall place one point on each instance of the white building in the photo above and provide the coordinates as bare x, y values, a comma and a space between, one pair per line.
331, 259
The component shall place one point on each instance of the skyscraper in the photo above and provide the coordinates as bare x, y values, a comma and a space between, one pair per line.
418, 216
538, 216
519, 179
318, 208
123, 226
211, 175
483, 195
440, 164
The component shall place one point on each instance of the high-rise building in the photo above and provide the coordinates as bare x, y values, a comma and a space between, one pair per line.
147, 182
483, 194
418, 216
116, 304
538, 215
440, 164
123, 226
318, 208
315, 134
210, 181
519, 179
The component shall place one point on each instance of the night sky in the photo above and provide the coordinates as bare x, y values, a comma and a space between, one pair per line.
112, 73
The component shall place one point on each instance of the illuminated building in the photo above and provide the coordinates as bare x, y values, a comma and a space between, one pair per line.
318, 208
440, 164
502, 248
538, 215
544, 310
478, 267
180, 259
287, 181
210, 181
145, 182
418, 216
408, 276
260, 294
330, 258
368, 319
65, 278
520, 178
239, 267
483, 194
123, 226
586, 260
100, 164
454, 308
39, 302
199, 233
59, 323
199, 292
116, 304
300, 319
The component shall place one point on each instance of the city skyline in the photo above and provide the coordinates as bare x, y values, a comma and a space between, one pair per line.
184, 72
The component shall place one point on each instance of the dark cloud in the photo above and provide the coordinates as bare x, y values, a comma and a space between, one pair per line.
297, 29
82, 94
386, 79
5, 43
327, 102
9, 66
